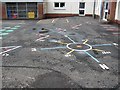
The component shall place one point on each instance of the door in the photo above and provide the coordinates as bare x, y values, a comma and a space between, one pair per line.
82, 9
105, 10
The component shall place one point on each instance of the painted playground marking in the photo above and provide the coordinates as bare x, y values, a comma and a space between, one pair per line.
8, 49
6, 30
33, 49
5, 54
81, 48
76, 26
103, 66
67, 20
42, 38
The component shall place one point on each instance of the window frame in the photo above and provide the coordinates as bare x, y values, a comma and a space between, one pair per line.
59, 7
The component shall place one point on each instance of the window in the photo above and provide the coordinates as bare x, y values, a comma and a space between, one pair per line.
82, 5
56, 4
59, 5
62, 4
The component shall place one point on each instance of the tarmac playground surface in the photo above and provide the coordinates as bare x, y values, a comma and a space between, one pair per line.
73, 52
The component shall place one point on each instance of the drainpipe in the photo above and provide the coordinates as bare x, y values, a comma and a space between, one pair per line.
94, 9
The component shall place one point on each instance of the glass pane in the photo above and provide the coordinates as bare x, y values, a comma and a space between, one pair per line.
62, 4
82, 5
81, 11
56, 4
106, 7
106, 14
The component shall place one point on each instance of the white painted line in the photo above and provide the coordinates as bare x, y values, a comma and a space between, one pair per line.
116, 33
112, 27
10, 49
115, 44
33, 49
39, 21
42, 38
5, 54
67, 20
7, 27
102, 66
106, 52
106, 66
53, 20
69, 38
67, 55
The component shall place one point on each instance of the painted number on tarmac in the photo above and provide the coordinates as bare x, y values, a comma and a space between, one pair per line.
103, 66
106, 52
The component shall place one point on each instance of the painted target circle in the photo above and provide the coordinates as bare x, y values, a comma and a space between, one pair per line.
79, 47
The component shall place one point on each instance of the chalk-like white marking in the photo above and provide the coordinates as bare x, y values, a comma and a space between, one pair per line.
10, 49
33, 49
115, 44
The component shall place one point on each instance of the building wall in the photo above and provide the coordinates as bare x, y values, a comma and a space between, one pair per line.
4, 14
117, 14
71, 7
21, 0
98, 7
40, 12
112, 9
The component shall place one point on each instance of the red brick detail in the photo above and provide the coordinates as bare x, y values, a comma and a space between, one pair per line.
88, 14
117, 21
40, 10
4, 11
59, 15
112, 8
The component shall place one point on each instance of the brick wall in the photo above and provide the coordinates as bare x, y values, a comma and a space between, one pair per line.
40, 11
4, 11
112, 9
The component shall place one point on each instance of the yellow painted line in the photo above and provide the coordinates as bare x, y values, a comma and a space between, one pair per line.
85, 41
98, 50
61, 42
70, 52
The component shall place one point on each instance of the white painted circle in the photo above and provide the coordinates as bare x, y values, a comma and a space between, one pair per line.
68, 46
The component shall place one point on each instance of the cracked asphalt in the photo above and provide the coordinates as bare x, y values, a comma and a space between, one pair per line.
41, 61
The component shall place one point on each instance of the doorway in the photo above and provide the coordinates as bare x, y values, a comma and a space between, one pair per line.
105, 10
82, 9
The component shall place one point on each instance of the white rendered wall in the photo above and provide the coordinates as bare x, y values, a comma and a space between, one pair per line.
117, 14
71, 6
21, 0
98, 7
